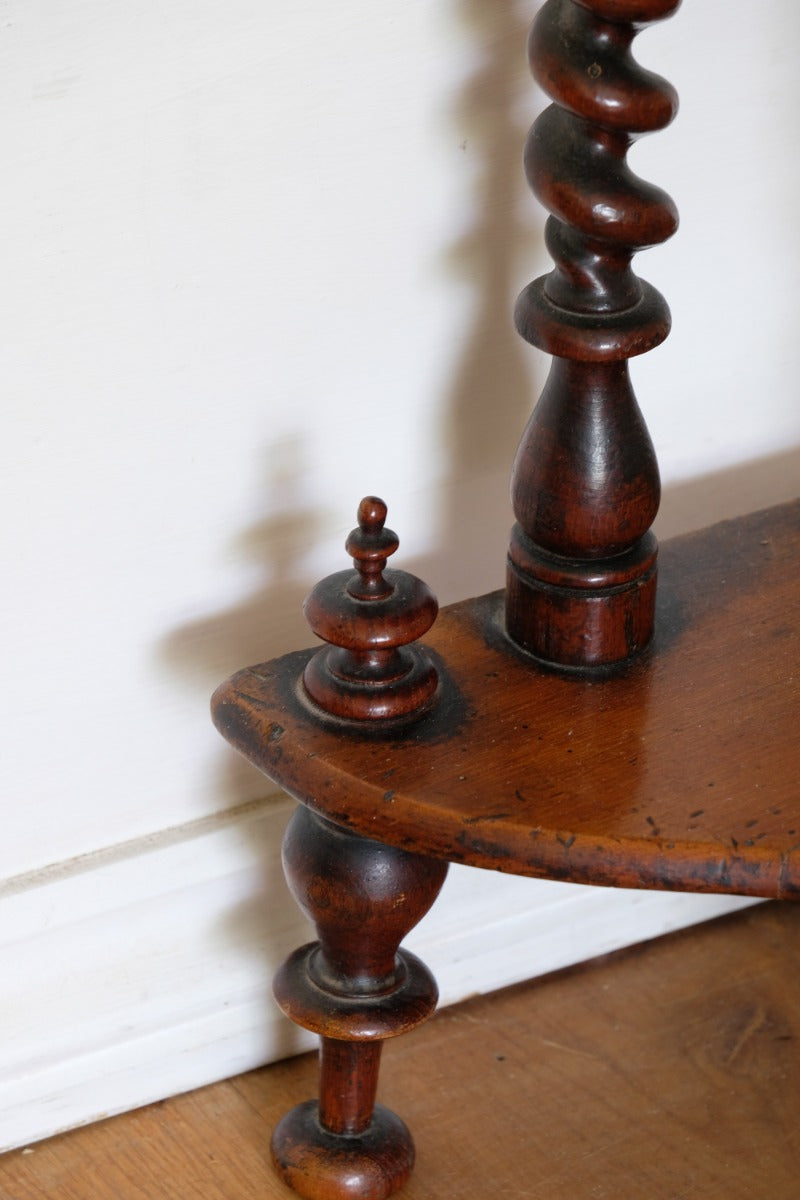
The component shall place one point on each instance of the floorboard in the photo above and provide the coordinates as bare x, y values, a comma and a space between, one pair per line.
669, 1071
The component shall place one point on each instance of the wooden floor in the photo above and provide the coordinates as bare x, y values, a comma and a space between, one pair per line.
667, 1072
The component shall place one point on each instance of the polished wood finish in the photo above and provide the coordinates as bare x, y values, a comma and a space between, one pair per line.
370, 671
355, 989
669, 1070
353, 986
585, 486
681, 773
559, 737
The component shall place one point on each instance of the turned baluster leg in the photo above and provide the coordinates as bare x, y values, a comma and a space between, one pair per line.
354, 988
585, 486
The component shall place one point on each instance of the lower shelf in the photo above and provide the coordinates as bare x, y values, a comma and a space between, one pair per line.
680, 772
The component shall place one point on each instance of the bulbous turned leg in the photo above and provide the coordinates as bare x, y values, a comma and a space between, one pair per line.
354, 987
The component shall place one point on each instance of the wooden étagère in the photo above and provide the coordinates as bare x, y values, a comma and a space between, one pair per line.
679, 773
581, 725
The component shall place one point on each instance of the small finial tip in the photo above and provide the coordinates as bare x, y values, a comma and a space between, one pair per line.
372, 513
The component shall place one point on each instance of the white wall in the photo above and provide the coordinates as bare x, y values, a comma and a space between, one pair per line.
259, 260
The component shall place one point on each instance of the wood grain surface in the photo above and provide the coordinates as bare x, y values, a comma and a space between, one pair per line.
680, 773
585, 487
670, 1071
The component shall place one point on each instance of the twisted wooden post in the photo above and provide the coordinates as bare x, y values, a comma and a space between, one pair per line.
585, 485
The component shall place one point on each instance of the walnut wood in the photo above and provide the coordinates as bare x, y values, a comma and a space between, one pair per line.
585, 487
370, 671
355, 988
680, 773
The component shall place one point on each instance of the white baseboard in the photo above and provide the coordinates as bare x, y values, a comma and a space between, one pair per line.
145, 971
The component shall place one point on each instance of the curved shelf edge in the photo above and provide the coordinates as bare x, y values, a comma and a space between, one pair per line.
679, 773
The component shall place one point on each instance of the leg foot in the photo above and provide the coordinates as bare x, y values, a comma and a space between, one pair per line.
320, 1165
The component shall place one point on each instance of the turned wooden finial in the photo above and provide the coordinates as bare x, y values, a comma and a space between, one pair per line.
370, 545
369, 671
585, 485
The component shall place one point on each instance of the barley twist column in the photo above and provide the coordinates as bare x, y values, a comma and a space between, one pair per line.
585, 485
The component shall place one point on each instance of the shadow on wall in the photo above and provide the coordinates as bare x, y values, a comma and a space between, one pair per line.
482, 417
743, 488
494, 384
264, 624
482, 413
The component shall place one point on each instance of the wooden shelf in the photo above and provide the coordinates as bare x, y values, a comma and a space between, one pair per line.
681, 772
